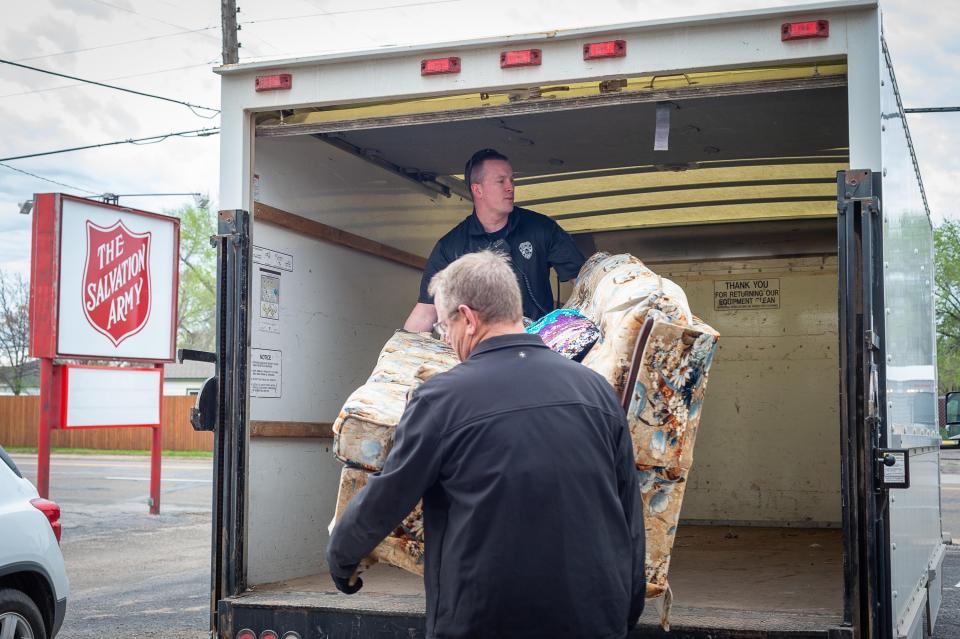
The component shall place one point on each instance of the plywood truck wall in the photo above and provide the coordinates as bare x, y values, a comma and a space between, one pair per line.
768, 443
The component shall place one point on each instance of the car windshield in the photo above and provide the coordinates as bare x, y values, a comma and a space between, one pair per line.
9, 462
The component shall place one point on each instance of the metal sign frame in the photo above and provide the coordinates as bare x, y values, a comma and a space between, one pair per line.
45, 289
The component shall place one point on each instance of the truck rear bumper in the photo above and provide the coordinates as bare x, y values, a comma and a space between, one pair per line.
239, 613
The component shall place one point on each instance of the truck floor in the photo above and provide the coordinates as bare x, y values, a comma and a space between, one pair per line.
726, 581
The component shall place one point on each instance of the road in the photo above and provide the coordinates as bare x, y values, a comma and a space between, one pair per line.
137, 575
950, 492
132, 574
948, 622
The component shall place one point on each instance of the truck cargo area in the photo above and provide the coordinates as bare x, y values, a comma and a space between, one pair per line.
759, 548
783, 582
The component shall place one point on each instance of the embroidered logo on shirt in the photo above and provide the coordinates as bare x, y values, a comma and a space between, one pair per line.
526, 250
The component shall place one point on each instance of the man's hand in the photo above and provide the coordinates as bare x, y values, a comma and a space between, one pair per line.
348, 585
421, 318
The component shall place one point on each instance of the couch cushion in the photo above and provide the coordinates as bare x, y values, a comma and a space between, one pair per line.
363, 431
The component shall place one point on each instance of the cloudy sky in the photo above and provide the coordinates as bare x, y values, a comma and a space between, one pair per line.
169, 48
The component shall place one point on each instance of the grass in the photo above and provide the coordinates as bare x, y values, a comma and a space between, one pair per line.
97, 451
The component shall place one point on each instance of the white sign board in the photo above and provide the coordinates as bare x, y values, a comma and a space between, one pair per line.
111, 396
118, 283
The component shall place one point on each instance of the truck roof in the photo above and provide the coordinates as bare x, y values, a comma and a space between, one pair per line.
560, 34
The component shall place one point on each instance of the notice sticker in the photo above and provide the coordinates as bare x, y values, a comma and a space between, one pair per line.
753, 294
265, 372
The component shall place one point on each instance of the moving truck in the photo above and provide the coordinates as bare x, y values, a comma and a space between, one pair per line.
760, 159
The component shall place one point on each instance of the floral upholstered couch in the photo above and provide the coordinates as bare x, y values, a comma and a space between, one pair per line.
654, 352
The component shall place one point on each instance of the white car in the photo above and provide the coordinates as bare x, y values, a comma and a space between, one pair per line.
33, 580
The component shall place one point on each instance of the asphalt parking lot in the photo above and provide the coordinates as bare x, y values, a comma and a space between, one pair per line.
132, 574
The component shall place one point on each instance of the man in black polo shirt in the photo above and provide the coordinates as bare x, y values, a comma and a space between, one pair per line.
534, 242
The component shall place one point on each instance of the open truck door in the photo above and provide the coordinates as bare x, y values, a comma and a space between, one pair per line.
222, 406
893, 552
908, 459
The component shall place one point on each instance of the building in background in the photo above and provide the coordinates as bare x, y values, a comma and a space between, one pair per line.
186, 378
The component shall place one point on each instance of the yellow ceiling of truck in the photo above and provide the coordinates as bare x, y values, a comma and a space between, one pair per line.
709, 192
558, 92
744, 145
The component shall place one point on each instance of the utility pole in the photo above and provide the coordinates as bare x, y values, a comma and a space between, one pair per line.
228, 21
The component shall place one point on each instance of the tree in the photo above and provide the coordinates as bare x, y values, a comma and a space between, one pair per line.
198, 269
14, 331
946, 239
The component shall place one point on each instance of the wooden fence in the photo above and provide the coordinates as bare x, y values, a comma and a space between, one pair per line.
19, 417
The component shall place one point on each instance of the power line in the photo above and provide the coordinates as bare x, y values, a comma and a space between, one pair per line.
142, 15
345, 11
40, 177
933, 110
118, 44
111, 86
121, 77
198, 133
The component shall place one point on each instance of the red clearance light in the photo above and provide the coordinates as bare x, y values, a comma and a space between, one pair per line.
269, 634
609, 49
804, 30
274, 82
52, 512
436, 66
523, 58
246, 633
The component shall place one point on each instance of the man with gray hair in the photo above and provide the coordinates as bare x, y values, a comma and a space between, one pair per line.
533, 523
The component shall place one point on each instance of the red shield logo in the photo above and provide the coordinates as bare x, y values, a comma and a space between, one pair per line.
116, 280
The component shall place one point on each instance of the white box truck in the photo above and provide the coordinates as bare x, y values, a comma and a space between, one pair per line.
764, 150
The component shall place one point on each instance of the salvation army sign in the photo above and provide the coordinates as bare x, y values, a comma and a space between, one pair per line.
104, 281
116, 280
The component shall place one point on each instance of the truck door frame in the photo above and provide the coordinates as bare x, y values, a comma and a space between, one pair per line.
228, 562
867, 609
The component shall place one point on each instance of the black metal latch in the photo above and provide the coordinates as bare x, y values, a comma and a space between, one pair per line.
894, 467
203, 416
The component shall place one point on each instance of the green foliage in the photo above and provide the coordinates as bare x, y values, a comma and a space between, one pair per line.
198, 271
15, 371
946, 238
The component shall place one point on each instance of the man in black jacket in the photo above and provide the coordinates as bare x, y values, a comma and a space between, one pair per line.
533, 523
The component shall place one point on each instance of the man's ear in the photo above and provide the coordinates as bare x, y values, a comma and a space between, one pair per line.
470, 317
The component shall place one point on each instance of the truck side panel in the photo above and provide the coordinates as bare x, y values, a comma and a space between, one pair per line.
911, 379
320, 313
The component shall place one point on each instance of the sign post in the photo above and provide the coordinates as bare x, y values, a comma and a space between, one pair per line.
103, 287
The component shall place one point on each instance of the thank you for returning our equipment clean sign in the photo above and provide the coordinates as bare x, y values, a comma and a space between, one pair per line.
746, 294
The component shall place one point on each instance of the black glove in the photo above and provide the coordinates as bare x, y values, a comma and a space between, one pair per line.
343, 584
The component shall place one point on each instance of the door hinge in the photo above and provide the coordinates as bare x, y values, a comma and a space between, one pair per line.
858, 185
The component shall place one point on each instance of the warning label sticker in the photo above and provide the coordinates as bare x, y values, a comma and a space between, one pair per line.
753, 294
265, 373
